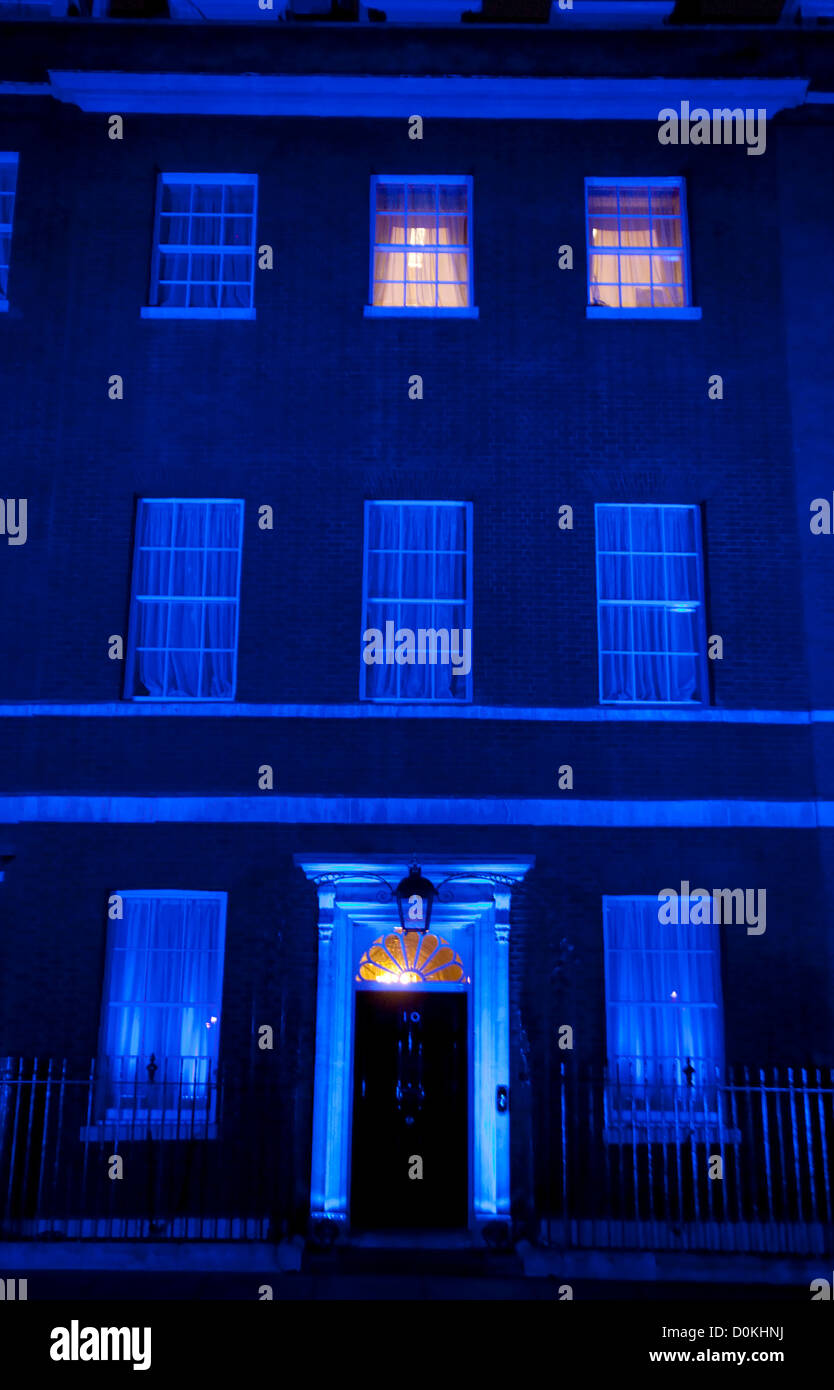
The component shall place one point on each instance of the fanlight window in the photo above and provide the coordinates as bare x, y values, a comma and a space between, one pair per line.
410, 959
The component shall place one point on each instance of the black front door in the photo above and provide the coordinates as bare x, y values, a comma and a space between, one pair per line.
409, 1165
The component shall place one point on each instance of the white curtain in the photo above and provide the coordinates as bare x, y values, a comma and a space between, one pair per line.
662, 989
185, 600
649, 597
420, 246
162, 991
416, 579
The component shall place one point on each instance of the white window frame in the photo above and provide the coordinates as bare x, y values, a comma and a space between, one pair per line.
605, 311
415, 310
135, 599
153, 310
467, 601
9, 157
654, 603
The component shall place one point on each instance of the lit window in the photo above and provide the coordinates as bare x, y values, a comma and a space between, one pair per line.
421, 259
8, 184
407, 958
204, 247
664, 1018
637, 244
650, 609
185, 602
161, 1008
417, 602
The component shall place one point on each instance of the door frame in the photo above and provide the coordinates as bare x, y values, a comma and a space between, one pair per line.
476, 919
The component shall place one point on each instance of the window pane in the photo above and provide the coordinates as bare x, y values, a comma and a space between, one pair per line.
176, 197
615, 577
452, 198
389, 265
240, 198
235, 297
634, 270
679, 529
606, 269
668, 298
602, 202
172, 295
647, 529
453, 296
237, 231
384, 527
208, 198
189, 519
666, 202
605, 231
450, 575
634, 204
666, 270
421, 295
421, 198
666, 231
613, 528
390, 197
606, 296
152, 575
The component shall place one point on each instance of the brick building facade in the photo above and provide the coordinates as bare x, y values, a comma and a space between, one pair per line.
308, 408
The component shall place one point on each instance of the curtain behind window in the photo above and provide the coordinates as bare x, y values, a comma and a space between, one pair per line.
203, 217
663, 1002
163, 989
638, 220
416, 579
425, 219
649, 600
185, 598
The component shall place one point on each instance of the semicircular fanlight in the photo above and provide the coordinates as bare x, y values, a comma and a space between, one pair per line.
410, 959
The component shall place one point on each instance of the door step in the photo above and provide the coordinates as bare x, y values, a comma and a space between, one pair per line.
413, 1261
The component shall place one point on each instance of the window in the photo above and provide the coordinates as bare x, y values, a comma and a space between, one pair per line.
204, 247
664, 1018
417, 602
160, 1025
421, 246
186, 597
650, 610
637, 248
407, 958
8, 184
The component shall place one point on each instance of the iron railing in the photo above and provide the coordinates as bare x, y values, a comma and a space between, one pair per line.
139, 1149
740, 1162
183, 1151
